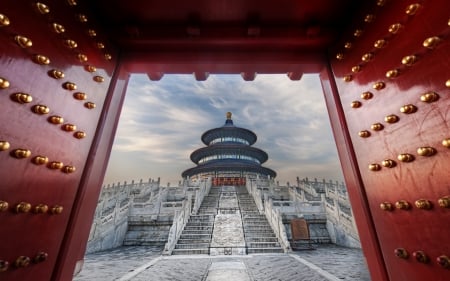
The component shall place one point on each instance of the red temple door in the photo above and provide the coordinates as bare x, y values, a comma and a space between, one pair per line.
393, 80
55, 73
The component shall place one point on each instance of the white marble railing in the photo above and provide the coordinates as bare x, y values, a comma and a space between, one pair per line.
179, 221
252, 189
204, 189
275, 219
295, 207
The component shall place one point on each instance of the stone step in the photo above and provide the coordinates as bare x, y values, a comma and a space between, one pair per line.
195, 236
263, 244
190, 251
251, 239
264, 250
189, 231
192, 246
259, 234
196, 227
193, 241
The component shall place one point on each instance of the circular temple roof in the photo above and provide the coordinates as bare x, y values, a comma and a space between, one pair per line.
221, 149
229, 130
229, 165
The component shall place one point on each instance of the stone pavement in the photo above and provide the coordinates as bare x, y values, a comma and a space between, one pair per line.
327, 262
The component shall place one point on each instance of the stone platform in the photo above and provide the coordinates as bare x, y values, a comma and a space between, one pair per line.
327, 262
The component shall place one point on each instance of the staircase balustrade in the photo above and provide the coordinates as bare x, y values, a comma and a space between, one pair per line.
275, 219
179, 221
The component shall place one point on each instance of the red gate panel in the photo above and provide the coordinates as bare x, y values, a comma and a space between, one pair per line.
392, 75
55, 71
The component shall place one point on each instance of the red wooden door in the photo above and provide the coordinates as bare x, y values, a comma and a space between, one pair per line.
55, 71
393, 79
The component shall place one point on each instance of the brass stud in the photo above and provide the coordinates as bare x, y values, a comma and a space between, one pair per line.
68, 169
367, 57
21, 153
56, 210
22, 262
377, 127
40, 209
108, 57
401, 253
55, 73
408, 109
423, 204
90, 68
82, 57
4, 145
431, 42
82, 18
69, 127
99, 79
42, 8
340, 56
70, 86
386, 206
364, 134
4, 20
380, 44
21, 98
379, 85
40, 160
369, 18
356, 68
348, 78
80, 96
381, 3
40, 109
4, 265
356, 104
72, 2
395, 28
357, 33
3, 206
426, 151
90, 105
391, 118
409, 60
402, 205
412, 9
443, 261
388, 163
100, 45
421, 257
367, 95
92, 33
4, 83
429, 97
444, 202
348, 45
79, 135
56, 119
374, 167
23, 41
447, 83
70, 44
40, 59
392, 73
446, 142
23, 207
55, 165
405, 157
57, 28
40, 257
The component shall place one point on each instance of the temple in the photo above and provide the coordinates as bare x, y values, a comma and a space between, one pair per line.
228, 156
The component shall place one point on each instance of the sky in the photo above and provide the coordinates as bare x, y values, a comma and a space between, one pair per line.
162, 121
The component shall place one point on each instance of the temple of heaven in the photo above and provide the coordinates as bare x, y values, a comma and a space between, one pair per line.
228, 157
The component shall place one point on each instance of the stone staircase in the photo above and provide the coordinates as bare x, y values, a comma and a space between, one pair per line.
259, 236
196, 235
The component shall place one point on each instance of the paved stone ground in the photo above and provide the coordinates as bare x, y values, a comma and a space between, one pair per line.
327, 262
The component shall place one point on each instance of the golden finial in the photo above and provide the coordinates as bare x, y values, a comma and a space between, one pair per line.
229, 115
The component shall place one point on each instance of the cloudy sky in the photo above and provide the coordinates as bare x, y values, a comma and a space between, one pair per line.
162, 121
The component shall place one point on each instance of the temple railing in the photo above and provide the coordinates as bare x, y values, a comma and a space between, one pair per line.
203, 190
180, 219
275, 219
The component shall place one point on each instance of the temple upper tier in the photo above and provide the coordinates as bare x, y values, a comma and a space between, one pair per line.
228, 153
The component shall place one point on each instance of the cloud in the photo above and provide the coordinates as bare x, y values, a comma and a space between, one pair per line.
162, 122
